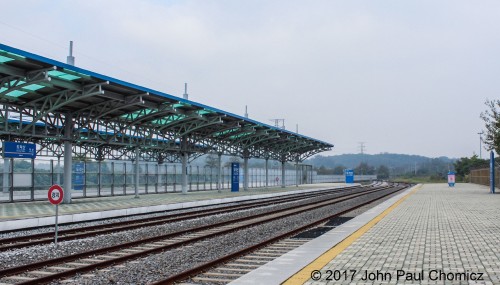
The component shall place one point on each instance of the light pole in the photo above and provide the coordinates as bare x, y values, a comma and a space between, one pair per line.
480, 146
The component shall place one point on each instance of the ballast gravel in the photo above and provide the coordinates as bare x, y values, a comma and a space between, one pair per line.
158, 266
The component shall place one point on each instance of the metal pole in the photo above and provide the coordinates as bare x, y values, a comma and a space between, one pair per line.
99, 178
6, 168
137, 154
32, 179
184, 177
219, 172
51, 172
283, 174
11, 180
480, 146
492, 172
112, 178
58, 170
124, 178
267, 172
57, 215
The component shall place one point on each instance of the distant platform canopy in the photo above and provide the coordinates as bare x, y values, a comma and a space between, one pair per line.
49, 102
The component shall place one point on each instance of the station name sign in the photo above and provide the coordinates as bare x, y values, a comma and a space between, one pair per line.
19, 150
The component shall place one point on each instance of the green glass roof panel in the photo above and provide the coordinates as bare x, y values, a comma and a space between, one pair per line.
204, 112
16, 93
63, 75
56, 73
2, 89
5, 59
69, 77
181, 104
33, 87
240, 135
221, 133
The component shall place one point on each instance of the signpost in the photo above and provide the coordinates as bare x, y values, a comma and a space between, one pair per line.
349, 176
235, 177
56, 195
19, 150
451, 179
492, 172
78, 176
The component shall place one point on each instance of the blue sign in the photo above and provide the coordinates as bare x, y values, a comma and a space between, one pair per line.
451, 179
349, 176
78, 175
19, 150
235, 177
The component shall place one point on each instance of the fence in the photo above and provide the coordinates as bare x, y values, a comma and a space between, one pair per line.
28, 180
482, 176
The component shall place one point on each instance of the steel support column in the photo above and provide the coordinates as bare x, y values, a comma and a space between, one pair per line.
68, 158
219, 171
245, 173
184, 177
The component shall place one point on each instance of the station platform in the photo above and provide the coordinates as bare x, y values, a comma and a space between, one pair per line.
20, 215
429, 234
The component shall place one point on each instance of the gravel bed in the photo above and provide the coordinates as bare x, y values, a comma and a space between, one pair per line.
23, 256
158, 266
113, 220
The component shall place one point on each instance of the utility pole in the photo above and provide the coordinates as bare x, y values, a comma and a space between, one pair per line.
362, 147
362, 150
480, 145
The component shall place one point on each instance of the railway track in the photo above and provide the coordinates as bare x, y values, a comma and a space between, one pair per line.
49, 270
90, 231
228, 268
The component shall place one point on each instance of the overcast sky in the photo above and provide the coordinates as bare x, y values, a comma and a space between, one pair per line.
401, 76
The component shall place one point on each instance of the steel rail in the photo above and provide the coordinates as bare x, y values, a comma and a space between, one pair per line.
90, 231
246, 222
181, 276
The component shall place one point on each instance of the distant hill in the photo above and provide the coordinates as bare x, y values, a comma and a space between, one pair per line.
387, 159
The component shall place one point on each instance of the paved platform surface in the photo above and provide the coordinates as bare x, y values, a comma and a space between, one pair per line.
435, 235
42, 212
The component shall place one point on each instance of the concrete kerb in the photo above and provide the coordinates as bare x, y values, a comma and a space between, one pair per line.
87, 216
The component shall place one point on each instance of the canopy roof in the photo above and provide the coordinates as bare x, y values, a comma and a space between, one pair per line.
47, 102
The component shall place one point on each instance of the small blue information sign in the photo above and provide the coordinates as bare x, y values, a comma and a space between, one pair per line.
235, 177
349, 176
78, 175
19, 150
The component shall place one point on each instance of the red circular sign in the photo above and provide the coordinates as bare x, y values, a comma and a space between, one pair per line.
56, 194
